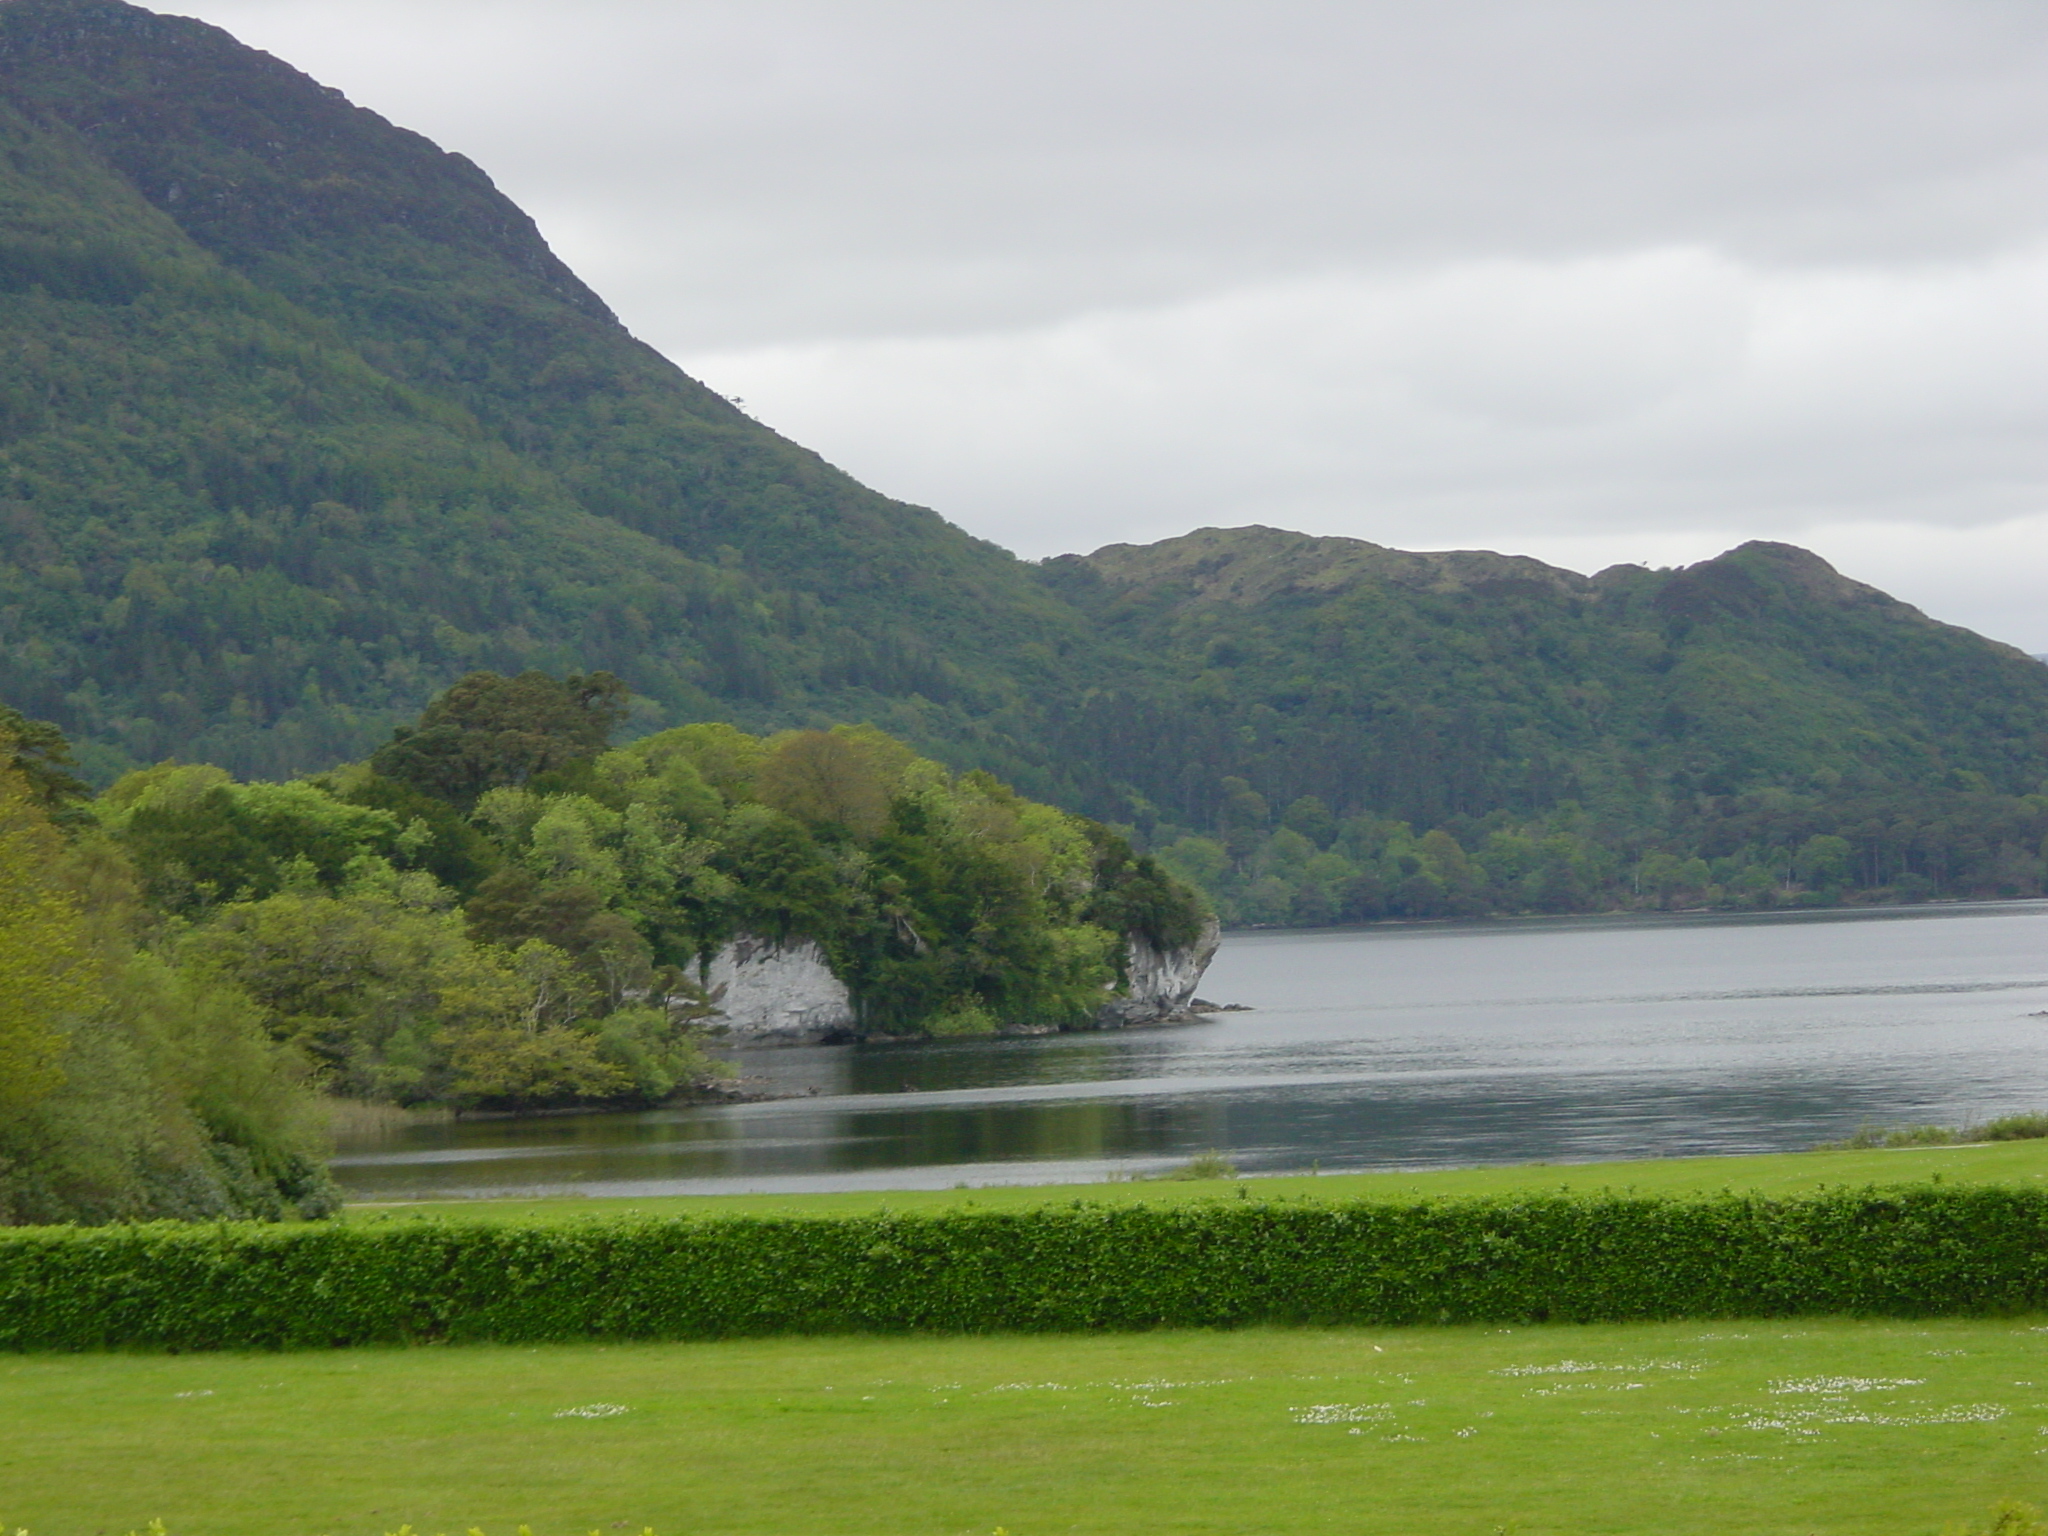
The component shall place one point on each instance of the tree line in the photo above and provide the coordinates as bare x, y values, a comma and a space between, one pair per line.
1306, 866
500, 910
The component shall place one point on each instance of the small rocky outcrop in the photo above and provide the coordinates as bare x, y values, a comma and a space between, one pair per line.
1162, 981
771, 993
765, 993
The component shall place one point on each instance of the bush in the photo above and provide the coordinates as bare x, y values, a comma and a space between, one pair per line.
2029, 1127
962, 1021
1868, 1137
1210, 1165
2024, 1127
1912, 1252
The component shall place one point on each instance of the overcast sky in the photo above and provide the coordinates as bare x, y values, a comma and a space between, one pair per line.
1594, 282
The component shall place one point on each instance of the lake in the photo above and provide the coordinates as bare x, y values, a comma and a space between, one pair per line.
1398, 1046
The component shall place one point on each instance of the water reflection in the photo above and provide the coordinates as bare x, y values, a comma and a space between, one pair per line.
1412, 1047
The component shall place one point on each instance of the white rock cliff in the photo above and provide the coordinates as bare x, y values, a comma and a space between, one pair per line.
769, 993
1163, 981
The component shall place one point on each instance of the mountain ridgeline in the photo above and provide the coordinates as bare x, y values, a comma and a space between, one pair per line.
304, 421
1750, 730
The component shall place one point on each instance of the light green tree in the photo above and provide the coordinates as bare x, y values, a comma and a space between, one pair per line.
45, 961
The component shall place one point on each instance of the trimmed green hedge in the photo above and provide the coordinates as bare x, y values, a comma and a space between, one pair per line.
1907, 1252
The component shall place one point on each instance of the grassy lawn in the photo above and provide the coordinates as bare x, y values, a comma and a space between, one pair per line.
1767, 1427
2000, 1162
1806, 1428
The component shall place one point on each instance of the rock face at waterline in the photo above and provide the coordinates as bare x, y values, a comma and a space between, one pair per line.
768, 993
1162, 981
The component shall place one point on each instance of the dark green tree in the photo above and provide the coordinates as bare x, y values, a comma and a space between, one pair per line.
457, 854
489, 730
41, 754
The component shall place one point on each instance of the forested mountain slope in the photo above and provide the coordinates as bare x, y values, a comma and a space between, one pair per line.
1432, 685
1735, 710
307, 420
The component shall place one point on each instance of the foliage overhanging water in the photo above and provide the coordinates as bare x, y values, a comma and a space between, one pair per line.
1414, 1047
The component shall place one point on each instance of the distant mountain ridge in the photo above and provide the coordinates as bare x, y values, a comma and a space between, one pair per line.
1254, 563
1248, 565
305, 420
1437, 685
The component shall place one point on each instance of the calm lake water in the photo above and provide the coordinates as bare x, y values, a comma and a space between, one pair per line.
1390, 1047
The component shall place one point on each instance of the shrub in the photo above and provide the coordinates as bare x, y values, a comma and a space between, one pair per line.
2029, 1127
2024, 1127
964, 1020
1210, 1165
1869, 1137
1920, 1251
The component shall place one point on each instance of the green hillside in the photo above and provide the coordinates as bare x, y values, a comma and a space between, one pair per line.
1797, 733
1435, 685
309, 421
304, 421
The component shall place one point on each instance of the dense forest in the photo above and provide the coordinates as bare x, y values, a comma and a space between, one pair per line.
497, 910
1384, 734
304, 422
131, 1085
1303, 867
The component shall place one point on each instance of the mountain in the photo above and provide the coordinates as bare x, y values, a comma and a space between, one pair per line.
303, 421
1750, 730
1429, 686
307, 420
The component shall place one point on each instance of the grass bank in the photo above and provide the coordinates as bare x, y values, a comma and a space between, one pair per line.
1820, 1428
1777, 1174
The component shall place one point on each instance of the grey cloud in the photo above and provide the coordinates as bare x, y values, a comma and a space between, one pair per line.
1012, 161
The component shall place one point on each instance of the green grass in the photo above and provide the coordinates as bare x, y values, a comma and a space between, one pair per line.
1669, 1428
1666, 1428
1788, 1173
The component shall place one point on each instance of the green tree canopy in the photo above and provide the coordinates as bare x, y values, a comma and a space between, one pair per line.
488, 731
